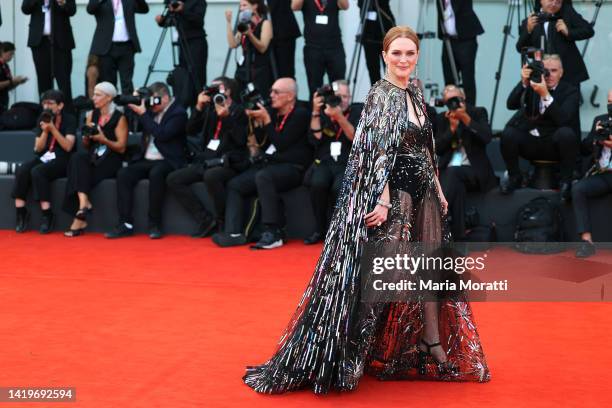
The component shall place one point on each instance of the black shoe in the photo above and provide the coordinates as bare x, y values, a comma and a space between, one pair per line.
585, 249
223, 239
511, 184
22, 221
445, 370
120, 231
205, 228
269, 240
46, 224
314, 238
566, 192
155, 232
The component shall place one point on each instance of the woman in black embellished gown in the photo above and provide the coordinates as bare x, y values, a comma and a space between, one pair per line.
390, 196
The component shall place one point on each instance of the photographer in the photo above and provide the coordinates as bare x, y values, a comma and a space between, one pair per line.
378, 20
51, 41
7, 80
105, 135
549, 134
463, 133
332, 128
162, 151
223, 124
53, 145
115, 40
323, 49
598, 180
253, 37
560, 26
189, 18
286, 32
283, 154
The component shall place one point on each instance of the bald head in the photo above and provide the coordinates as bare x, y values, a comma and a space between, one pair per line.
283, 93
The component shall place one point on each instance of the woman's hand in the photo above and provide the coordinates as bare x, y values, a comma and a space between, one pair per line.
443, 202
228, 16
377, 217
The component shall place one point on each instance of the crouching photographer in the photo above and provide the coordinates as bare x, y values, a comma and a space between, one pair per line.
163, 147
53, 145
223, 124
280, 154
463, 133
332, 128
543, 128
598, 180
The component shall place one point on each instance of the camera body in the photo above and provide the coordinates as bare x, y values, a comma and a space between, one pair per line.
547, 17
214, 91
244, 21
452, 104
328, 92
528, 55
251, 97
89, 130
605, 131
46, 116
144, 93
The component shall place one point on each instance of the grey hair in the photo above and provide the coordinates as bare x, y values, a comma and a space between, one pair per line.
553, 57
451, 87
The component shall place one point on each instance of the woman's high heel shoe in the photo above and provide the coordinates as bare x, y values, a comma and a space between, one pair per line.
445, 369
83, 213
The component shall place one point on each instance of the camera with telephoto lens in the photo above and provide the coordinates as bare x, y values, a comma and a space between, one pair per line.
89, 130
251, 97
547, 17
46, 116
452, 104
143, 93
244, 21
328, 92
214, 92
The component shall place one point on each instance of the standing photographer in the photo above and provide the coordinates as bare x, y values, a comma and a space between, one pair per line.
223, 124
378, 20
53, 145
598, 181
7, 80
163, 151
51, 41
105, 137
283, 154
115, 40
546, 134
560, 26
332, 128
286, 32
253, 37
463, 133
189, 18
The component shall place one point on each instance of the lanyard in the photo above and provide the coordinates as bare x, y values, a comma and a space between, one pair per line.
218, 130
58, 123
320, 6
279, 128
339, 131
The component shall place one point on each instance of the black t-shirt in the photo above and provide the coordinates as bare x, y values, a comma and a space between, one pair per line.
5, 75
321, 35
332, 132
67, 127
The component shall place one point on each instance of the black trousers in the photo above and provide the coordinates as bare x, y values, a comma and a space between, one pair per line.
561, 146
180, 181
590, 187
39, 176
53, 63
119, 59
267, 182
127, 178
83, 176
284, 55
372, 49
464, 52
324, 181
322, 61
198, 50
456, 181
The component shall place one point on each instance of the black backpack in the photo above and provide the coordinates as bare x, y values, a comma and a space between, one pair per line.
539, 227
21, 116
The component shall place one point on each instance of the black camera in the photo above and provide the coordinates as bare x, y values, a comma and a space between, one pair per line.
143, 93
244, 21
173, 5
251, 97
452, 104
89, 130
546, 17
214, 91
605, 131
46, 116
329, 95
536, 66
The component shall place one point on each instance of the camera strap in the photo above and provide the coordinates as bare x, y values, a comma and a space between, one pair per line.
339, 131
279, 127
218, 129
320, 6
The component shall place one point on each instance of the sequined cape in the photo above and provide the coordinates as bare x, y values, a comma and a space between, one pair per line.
326, 344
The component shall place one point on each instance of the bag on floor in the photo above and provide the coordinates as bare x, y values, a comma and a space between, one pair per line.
21, 116
539, 227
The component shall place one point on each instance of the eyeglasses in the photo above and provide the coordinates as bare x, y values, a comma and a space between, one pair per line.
277, 91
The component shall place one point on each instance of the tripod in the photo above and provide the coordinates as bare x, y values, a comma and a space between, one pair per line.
423, 34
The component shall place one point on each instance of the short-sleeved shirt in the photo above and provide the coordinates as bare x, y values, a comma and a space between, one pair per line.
321, 35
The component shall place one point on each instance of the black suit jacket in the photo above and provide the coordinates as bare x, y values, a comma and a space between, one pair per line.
105, 23
474, 139
563, 111
284, 24
170, 137
467, 22
588, 147
61, 30
191, 20
574, 69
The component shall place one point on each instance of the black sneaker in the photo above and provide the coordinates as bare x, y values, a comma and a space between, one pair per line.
120, 231
22, 221
269, 240
46, 224
585, 249
223, 239
314, 238
205, 228
155, 232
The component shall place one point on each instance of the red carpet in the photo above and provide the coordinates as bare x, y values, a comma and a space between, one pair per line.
172, 323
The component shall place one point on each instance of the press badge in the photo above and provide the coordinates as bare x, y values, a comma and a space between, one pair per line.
457, 159
213, 144
372, 15
271, 149
322, 19
335, 149
101, 150
47, 157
